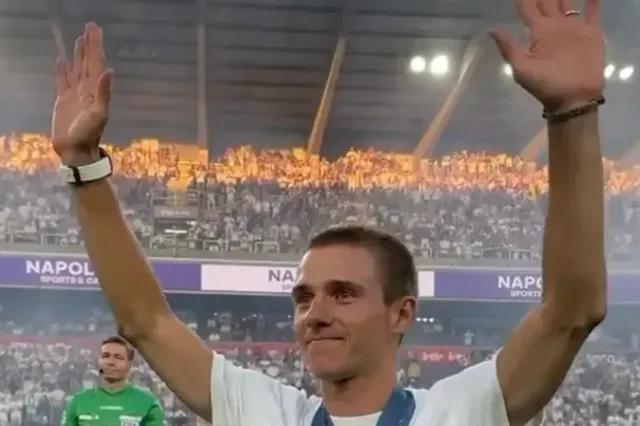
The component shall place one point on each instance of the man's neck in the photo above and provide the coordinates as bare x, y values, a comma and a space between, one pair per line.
361, 395
113, 387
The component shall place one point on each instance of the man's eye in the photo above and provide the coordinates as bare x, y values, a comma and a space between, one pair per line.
303, 298
345, 294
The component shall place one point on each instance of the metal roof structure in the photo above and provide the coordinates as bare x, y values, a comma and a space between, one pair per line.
329, 74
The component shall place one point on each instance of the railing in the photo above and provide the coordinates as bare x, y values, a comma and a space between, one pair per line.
176, 198
266, 247
510, 254
221, 245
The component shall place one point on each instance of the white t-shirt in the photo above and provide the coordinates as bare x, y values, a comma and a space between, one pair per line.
241, 397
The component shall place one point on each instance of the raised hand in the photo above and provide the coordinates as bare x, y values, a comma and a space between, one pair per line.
563, 65
81, 109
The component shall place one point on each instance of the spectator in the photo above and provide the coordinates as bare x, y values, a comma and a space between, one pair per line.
463, 205
39, 371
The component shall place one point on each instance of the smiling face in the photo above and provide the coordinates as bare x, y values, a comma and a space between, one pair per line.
341, 320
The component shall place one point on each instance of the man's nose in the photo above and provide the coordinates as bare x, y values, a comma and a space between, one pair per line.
319, 313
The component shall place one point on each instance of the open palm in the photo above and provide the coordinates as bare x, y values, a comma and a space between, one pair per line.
83, 91
563, 64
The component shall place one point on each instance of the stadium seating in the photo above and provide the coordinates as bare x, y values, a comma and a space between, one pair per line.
464, 205
47, 354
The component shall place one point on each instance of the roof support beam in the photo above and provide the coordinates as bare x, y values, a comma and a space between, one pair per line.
535, 146
632, 156
471, 58
201, 87
54, 24
316, 136
324, 109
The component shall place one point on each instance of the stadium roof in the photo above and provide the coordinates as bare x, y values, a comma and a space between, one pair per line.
263, 72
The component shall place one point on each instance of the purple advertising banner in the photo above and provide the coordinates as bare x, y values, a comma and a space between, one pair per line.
518, 285
76, 272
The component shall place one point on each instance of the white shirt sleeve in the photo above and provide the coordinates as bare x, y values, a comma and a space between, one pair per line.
241, 397
471, 397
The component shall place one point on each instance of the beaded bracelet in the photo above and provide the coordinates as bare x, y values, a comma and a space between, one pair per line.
563, 116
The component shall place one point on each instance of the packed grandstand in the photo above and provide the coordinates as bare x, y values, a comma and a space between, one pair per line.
465, 205
254, 203
49, 343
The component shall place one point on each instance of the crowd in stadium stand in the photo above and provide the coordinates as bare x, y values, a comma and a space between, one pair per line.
48, 350
465, 205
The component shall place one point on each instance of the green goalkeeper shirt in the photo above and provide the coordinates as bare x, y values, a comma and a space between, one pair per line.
128, 406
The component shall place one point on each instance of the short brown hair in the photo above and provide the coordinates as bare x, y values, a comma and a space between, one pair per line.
401, 276
120, 341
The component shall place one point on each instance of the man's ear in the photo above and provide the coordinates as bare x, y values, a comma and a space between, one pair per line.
403, 314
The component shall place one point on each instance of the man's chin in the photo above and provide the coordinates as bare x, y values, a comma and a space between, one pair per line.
329, 374
112, 379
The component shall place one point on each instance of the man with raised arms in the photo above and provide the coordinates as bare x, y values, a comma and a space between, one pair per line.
354, 280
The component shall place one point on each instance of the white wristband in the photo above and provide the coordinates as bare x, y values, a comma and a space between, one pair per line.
80, 175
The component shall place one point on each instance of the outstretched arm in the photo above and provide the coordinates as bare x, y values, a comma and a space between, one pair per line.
141, 311
563, 68
537, 356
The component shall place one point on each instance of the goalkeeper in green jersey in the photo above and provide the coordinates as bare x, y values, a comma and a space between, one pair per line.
115, 402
